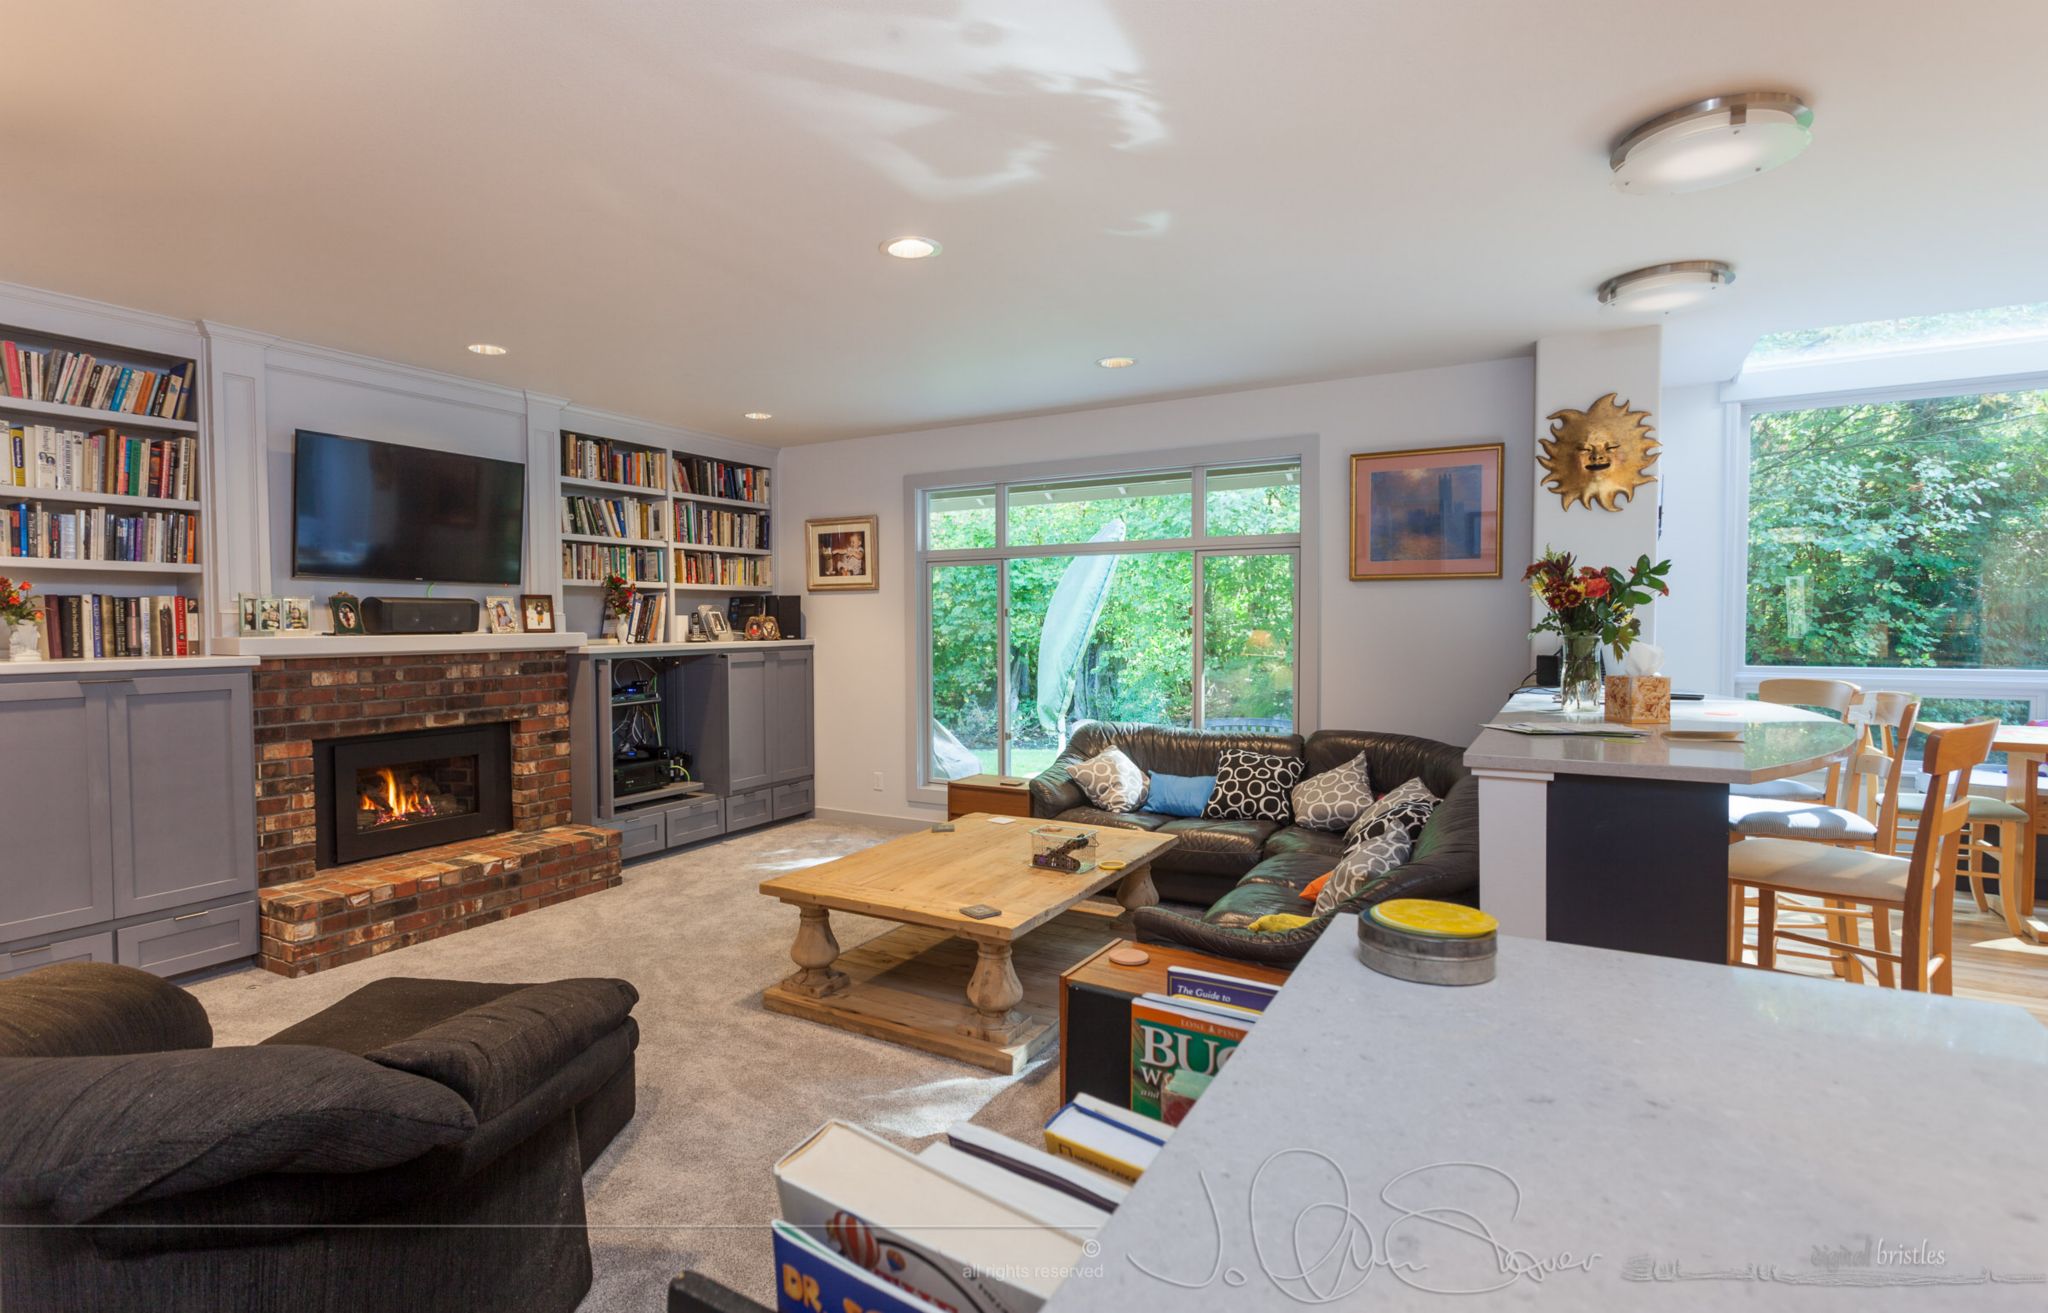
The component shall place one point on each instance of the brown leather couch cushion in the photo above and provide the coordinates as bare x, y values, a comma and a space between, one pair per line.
1206, 847
1121, 820
1153, 747
1390, 759
1298, 839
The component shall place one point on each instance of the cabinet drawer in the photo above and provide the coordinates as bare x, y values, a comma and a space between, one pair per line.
85, 948
748, 809
640, 833
702, 818
792, 800
186, 943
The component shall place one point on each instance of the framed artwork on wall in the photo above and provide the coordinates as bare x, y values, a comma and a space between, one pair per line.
1431, 513
537, 613
841, 556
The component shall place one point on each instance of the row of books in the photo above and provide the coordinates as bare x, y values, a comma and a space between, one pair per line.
67, 460
591, 562
724, 571
704, 477
644, 617
29, 530
1181, 1039
707, 526
74, 378
95, 625
614, 517
611, 462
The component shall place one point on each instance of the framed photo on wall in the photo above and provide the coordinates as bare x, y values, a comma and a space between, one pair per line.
1432, 513
841, 556
537, 613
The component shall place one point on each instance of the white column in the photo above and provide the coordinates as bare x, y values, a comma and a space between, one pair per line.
1514, 846
238, 532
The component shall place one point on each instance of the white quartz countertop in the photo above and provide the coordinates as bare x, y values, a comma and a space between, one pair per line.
112, 666
282, 646
1633, 1132
1777, 742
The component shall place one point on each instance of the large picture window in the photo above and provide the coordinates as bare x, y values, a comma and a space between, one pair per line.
1169, 597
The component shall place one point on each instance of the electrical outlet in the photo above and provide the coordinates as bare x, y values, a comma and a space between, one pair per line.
878, 781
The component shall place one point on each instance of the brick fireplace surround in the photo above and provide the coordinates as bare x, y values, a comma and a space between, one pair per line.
314, 919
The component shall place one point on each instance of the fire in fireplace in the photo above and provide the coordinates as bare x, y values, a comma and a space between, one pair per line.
391, 793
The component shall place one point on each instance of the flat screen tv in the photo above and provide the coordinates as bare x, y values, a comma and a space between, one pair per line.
377, 510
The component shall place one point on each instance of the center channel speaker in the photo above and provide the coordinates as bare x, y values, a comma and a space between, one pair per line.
421, 615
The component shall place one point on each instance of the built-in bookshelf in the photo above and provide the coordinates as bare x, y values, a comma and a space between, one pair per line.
103, 501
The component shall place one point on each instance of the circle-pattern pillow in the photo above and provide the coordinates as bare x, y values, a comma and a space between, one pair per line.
1252, 786
1112, 781
1335, 798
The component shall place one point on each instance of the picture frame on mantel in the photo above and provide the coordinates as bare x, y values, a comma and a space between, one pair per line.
1427, 512
842, 555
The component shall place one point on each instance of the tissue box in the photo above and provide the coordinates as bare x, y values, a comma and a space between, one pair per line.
1639, 699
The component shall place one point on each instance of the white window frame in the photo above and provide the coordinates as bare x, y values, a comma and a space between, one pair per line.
2029, 686
1197, 462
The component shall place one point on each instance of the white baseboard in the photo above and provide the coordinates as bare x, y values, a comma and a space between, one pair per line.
893, 824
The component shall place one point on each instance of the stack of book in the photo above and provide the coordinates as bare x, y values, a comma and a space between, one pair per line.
66, 460
1180, 1040
1108, 1138
78, 627
977, 1223
98, 533
73, 378
613, 517
703, 477
707, 526
610, 462
590, 562
644, 617
724, 571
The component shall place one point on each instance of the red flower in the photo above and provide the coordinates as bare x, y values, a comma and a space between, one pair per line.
1596, 587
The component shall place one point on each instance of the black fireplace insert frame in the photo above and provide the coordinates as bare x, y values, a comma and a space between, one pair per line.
340, 844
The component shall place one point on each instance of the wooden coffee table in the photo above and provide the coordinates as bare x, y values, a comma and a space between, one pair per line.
907, 985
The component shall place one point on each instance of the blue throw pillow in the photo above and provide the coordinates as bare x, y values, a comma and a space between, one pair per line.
1179, 795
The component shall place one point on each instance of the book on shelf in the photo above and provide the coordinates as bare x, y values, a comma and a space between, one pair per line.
30, 530
47, 458
1177, 1047
89, 626
75, 378
1052, 1190
614, 517
901, 1219
1218, 989
606, 461
811, 1278
700, 476
709, 526
590, 562
701, 567
644, 616
1110, 1139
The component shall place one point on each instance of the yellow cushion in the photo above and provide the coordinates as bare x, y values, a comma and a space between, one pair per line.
1275, 922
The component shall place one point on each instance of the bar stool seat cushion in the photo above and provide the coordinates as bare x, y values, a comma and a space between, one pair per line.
1770, 818
1783, 790
1981, 808
1812, 868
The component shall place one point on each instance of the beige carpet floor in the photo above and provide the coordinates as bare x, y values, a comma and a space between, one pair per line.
725, 1088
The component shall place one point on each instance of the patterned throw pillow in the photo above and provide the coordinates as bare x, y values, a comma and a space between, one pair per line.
1111, 780
1252, 786
1407, 804
1378, 843
1335, 798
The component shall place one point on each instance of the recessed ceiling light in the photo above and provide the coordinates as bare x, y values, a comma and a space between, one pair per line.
911, 248
1711, 142
758, 414
487, 348
1662, 288
1117, 362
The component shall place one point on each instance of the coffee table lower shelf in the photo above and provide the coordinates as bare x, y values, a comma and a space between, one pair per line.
907, 986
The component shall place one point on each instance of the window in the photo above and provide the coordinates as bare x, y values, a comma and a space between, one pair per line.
1169, 597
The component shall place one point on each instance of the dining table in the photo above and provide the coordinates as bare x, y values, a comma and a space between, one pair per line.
2026, 749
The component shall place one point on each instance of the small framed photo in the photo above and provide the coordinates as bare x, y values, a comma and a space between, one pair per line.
501, 615
269, 615
1427, 514
537, 613
298, 615
841, 556
346, 613
250, 606
764, 628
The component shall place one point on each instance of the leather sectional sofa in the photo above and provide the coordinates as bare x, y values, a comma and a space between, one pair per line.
1240, 870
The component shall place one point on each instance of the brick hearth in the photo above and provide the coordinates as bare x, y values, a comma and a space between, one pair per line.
314, 918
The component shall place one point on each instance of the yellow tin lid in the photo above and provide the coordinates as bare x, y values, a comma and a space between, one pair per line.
1423, 916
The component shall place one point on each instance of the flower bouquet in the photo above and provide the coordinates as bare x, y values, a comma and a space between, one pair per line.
618, 603
1589, 606
18, 637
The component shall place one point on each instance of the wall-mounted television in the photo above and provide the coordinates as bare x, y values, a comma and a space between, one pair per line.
378, 510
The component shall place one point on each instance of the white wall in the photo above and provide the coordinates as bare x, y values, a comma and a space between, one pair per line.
1430, 658
1694, 476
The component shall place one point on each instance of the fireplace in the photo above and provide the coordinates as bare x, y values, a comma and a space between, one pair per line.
381, 794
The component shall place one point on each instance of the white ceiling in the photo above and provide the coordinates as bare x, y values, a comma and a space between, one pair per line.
672, 209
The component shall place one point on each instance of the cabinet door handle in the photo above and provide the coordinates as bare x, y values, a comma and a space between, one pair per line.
24, 952
112, 680
189, 915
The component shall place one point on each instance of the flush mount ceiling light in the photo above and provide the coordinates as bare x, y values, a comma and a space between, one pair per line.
487, 348
1710, 143
1662, 288
1117, 362
911, 248
757, 414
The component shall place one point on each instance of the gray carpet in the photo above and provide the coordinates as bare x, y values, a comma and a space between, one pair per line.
726, 1088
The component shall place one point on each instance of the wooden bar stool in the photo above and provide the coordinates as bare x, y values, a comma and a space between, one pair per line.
1830, 695
1919, 887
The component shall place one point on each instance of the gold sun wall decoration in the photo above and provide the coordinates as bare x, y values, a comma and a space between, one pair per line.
1599, 454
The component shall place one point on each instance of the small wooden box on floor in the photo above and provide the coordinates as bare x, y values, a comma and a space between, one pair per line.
1095, 1012
1639, 699
1001, 795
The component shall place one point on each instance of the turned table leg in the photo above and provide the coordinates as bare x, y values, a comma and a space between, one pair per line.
1137, 890
815, 950
993, 990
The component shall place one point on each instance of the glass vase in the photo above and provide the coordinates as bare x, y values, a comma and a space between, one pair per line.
1579, 680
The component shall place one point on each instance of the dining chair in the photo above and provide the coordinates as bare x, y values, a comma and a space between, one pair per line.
1835, 696
1991, 834
1919, 887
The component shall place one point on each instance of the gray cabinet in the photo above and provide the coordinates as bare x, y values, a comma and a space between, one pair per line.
788, 730
747, 704
142, 794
